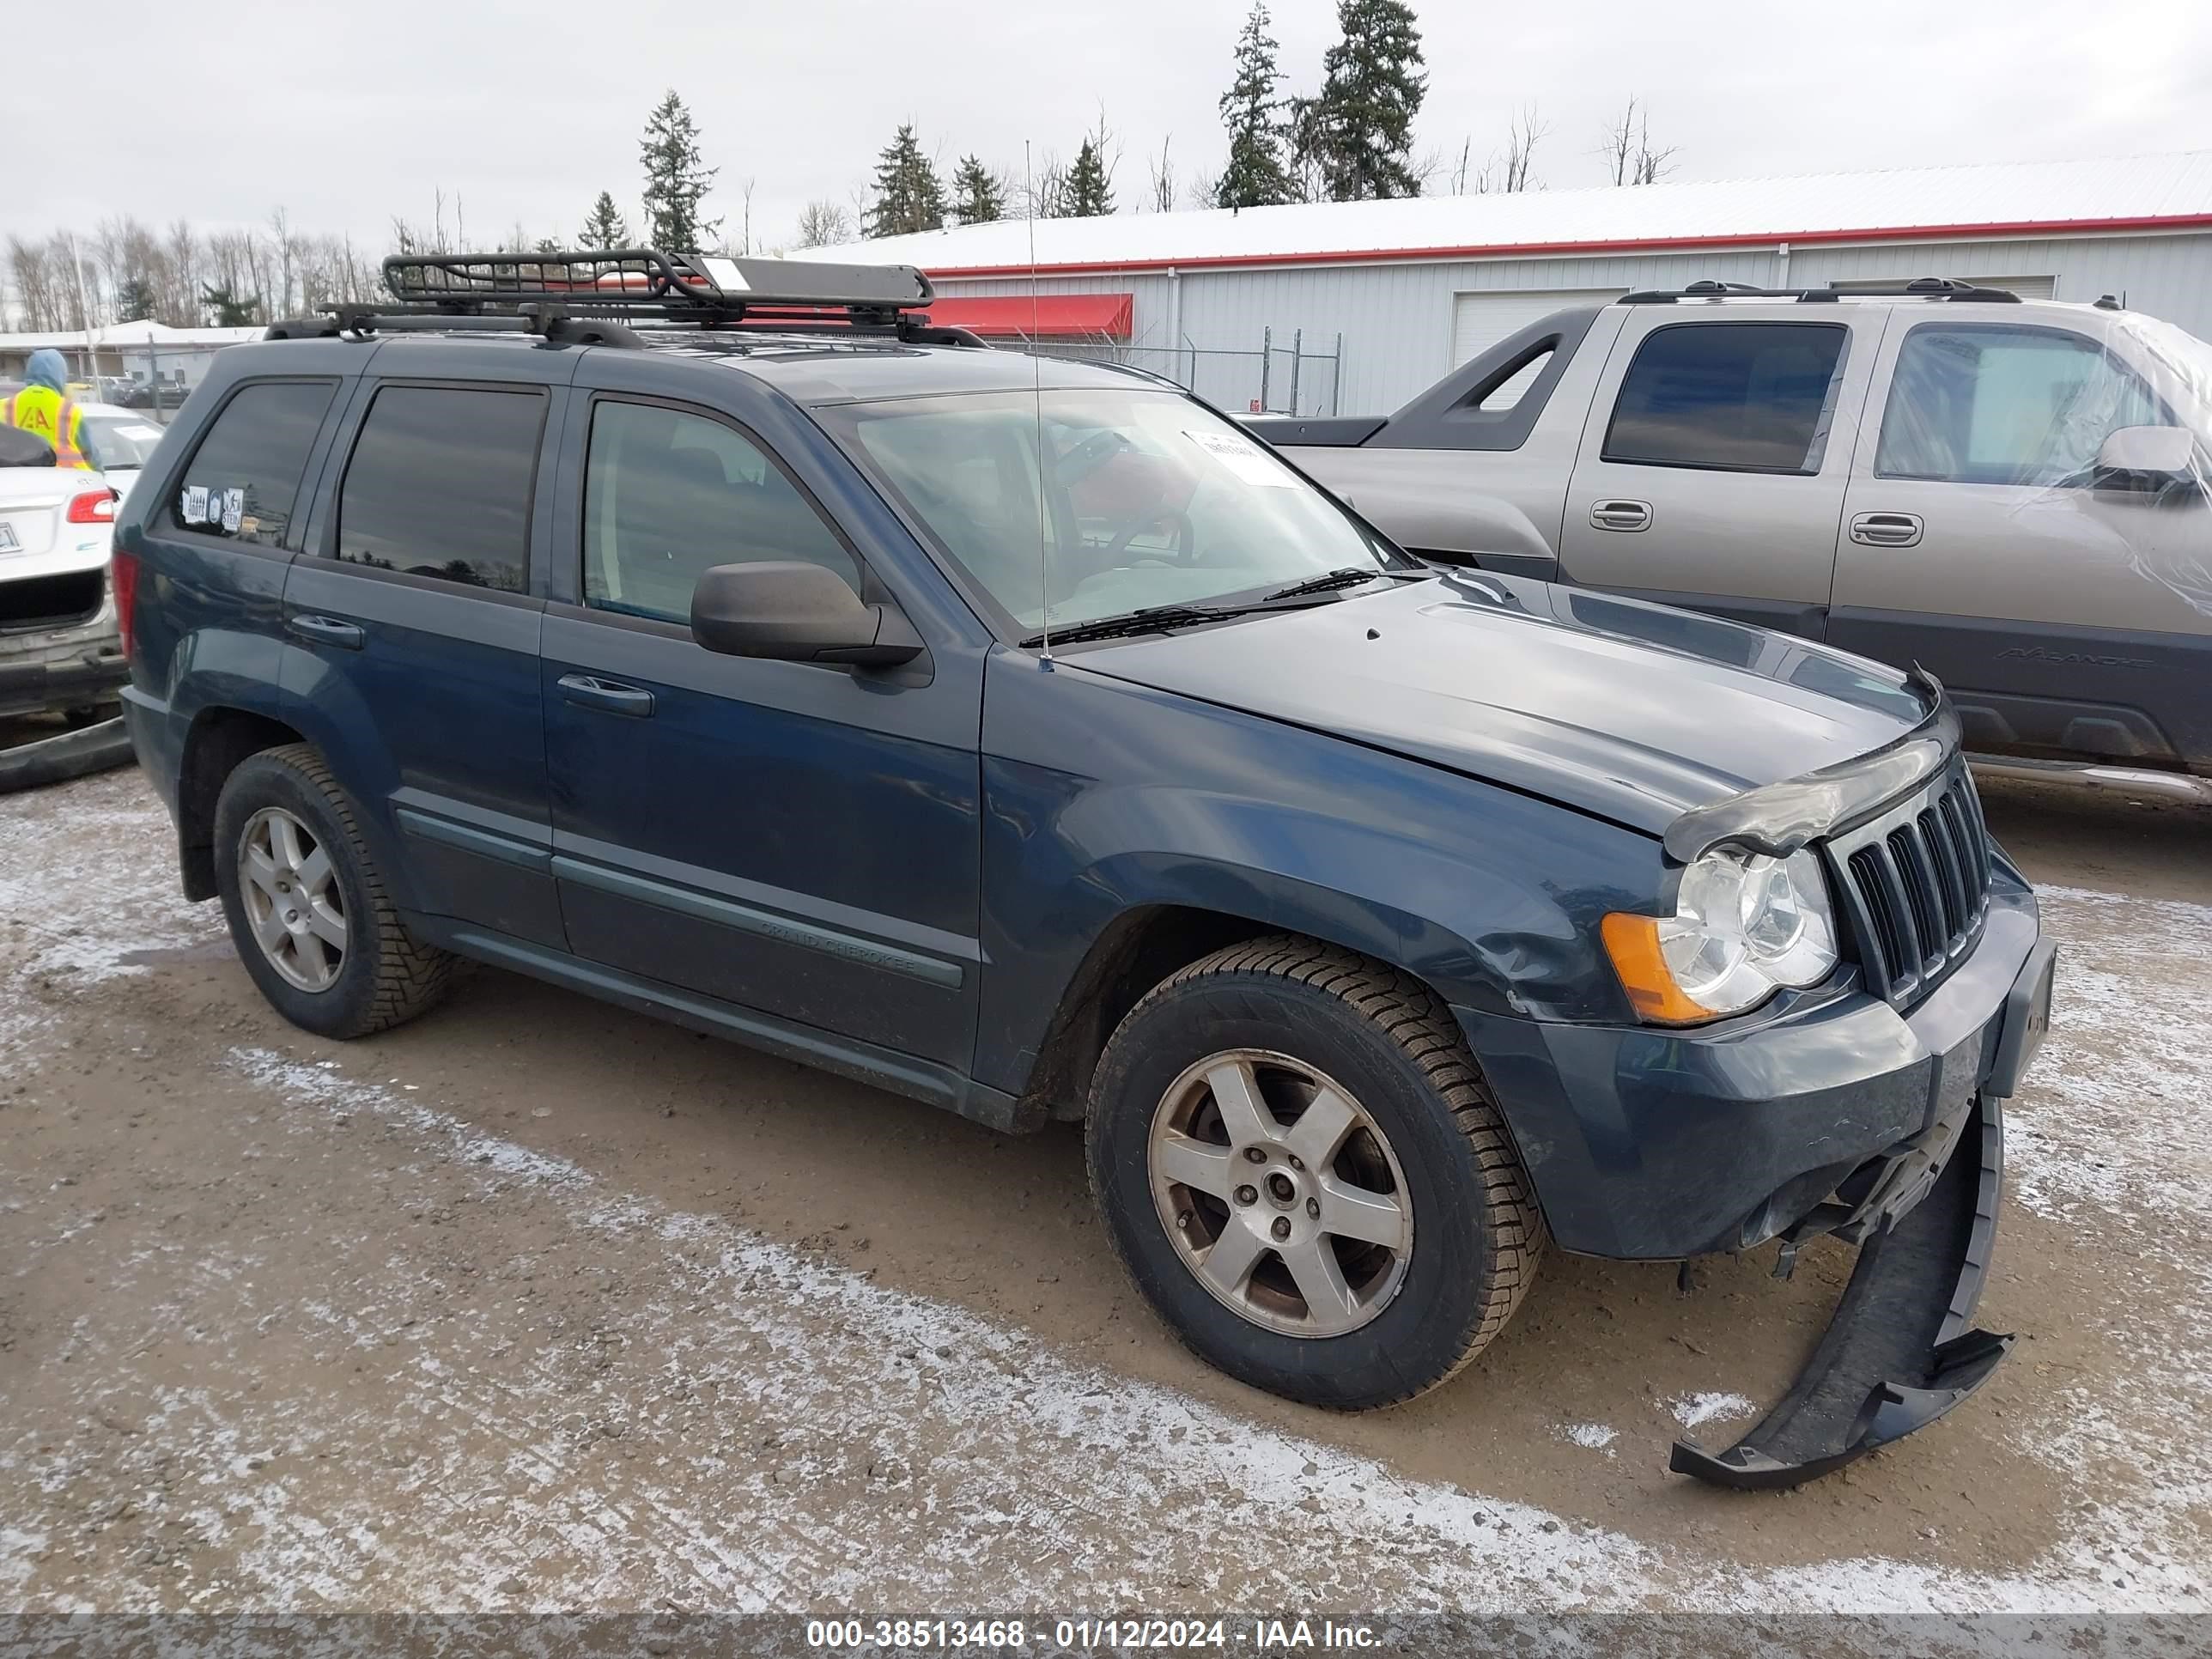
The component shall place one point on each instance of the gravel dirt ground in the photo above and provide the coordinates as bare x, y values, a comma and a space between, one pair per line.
535, 1304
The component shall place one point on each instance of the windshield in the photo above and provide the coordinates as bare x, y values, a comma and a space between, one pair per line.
1147, 500
119, 442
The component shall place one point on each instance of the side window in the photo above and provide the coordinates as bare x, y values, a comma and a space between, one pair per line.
244, 479
1729, 396
440, 483
1510, 392
669, 496
2000, 404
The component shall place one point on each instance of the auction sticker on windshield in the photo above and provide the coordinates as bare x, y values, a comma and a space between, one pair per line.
1241, 458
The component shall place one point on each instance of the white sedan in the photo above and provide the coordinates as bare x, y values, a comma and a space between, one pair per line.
58, 648
120, 441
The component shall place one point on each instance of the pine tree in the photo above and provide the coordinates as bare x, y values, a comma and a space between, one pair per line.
605, 227
1253, 111
1358, 133
1087, 192
978, 197
231, 311
909, 198
676, 180
134, 300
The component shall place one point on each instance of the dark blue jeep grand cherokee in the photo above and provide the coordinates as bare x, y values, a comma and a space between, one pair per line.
720, 639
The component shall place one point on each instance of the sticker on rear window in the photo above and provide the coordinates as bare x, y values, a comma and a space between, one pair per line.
194, 508
1241, 459
234, 508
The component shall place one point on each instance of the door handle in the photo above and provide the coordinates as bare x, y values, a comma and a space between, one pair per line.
327, 631
1621, 515
591, 692
1886, 529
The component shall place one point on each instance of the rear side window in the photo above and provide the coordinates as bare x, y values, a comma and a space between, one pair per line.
440, 485
244, 479
1731, 397
668, 496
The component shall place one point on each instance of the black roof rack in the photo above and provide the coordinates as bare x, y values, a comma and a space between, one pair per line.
1921, 288
585, 296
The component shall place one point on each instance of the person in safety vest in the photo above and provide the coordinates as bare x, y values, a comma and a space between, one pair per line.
43, 409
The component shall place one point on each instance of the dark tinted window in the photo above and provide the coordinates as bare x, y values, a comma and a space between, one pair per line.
1743, 397
438, 485
244, 479
669, 496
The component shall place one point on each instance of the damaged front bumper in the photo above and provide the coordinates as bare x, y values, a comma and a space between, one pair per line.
1843, 1117
1901, 1350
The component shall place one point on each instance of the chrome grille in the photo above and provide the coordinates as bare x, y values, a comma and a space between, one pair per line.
1915, 886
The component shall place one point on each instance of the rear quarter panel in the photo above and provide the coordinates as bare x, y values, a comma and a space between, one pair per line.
209, 620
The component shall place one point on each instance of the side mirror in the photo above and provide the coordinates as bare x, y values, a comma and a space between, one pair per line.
2146, 459
22, 448
793, 611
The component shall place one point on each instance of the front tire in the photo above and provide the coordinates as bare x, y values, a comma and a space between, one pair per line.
1300, 1168
306, 908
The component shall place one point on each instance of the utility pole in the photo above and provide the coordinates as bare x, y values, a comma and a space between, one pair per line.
84, 310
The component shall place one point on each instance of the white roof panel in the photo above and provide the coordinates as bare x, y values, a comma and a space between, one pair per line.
2128, 192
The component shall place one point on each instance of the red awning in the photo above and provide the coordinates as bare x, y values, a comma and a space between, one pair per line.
1050, 316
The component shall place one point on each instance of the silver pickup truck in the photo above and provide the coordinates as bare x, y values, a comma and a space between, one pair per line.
2014, 494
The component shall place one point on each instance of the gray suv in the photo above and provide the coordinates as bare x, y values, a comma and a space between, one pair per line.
2008, 494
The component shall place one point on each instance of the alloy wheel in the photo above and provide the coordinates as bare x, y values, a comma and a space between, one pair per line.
1281, 1193
292, 899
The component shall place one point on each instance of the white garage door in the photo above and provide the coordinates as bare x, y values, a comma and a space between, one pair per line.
1479, 322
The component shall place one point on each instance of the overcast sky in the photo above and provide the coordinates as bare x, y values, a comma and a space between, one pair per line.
347, 115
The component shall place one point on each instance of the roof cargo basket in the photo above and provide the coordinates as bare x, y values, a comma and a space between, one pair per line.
647, 281
1920, 287
551, 294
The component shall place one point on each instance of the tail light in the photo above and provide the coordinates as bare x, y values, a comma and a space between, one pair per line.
122, 582
93, 506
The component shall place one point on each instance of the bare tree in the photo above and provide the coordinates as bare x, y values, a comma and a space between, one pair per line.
1163, 178
1204, 191
1526, 132
824, 224
36, 286
1468, 179
1627, 153
183, 270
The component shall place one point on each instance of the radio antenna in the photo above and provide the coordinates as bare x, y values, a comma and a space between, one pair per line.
1036, 391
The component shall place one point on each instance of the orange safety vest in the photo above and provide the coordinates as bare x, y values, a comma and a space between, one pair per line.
53, 415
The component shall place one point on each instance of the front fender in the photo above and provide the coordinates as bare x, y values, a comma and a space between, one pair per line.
1101, 798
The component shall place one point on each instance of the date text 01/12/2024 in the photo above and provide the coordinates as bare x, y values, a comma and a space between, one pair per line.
1089, 1635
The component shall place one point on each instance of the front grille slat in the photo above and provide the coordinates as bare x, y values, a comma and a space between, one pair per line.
1917, 888
1899, 873
1950, 876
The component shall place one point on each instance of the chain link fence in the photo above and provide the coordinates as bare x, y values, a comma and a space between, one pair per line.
1282, 376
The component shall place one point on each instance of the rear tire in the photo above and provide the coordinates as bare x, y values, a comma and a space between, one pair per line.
306, 908
1377, 1270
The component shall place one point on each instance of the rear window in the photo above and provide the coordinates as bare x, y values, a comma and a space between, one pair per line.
244, 479
1731, 397
440, 485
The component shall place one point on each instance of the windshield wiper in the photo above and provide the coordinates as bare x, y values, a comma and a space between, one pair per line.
1349, 576
1155, 619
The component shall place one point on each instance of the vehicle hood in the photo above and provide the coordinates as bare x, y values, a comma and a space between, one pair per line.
1632, 711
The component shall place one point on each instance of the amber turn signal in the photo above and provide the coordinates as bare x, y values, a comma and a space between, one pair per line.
1632, 942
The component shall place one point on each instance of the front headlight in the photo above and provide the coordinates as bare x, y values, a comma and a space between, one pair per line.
1744, 926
